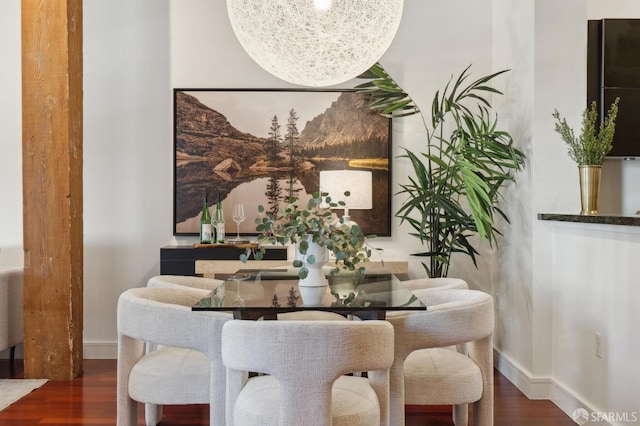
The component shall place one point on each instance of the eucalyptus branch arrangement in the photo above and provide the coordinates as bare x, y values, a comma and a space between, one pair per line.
314, 222
590, 148
454, 191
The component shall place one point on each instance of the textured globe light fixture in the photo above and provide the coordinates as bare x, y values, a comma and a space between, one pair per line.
315, 42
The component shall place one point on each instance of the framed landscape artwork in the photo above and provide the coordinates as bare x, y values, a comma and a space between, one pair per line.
260, 147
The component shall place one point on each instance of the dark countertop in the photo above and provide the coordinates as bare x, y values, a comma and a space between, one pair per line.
602, 219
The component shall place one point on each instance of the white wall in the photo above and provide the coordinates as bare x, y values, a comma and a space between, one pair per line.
556, 284
613, 9
559, 83
513, 48
546, 75
127, 155
10, 137
595, 290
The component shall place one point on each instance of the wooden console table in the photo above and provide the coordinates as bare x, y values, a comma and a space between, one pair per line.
223, 260
181, 260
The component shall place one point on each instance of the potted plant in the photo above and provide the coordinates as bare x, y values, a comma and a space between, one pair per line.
457, 178
315, 231
589, 150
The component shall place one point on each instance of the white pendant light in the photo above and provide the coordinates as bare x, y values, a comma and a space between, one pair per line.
315, 42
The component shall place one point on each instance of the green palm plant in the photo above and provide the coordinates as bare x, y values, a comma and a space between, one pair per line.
454, 191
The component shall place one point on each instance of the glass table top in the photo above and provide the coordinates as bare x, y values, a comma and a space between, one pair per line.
251, 294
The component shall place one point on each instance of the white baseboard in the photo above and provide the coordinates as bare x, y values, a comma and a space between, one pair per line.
542, 387
531, 387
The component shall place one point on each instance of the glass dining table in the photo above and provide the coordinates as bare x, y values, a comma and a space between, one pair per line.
253, 294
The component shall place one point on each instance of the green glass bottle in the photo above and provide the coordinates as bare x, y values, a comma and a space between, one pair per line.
218, 222
205, 223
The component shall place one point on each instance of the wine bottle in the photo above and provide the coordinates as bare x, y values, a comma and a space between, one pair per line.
218, 222
205, 223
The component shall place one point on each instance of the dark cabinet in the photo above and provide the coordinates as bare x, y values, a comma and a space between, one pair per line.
181, 260
613, 70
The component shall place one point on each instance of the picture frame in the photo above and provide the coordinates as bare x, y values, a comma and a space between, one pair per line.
260, 146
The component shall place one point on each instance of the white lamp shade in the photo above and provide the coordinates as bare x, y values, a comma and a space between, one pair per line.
315, 42
357, 182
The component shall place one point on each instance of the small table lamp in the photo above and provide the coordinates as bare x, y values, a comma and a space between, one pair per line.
357, 182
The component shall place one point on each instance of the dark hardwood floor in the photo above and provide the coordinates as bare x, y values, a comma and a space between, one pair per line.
91, 400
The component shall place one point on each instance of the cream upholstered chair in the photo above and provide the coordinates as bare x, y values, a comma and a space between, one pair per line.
305, 363
153, 412
180, 281
11, 323
435, 283
186, 370
426, 371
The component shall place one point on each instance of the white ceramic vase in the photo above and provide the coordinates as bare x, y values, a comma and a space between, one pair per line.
314, 286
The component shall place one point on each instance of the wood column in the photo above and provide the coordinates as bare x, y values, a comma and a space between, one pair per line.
52, 187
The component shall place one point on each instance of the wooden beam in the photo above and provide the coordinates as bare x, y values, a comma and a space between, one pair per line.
52, 187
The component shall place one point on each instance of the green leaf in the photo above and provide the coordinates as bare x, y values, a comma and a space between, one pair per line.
455, 184
303, 273
384, 94
396, 106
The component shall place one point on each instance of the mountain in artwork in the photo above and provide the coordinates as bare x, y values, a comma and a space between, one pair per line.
347, 120
205, 134
202, 132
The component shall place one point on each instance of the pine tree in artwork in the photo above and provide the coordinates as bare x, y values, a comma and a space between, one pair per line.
290, 137
273, 143
273, 146
292, 131
273, 194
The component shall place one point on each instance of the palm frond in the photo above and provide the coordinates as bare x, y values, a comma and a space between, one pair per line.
384, 94
456, 182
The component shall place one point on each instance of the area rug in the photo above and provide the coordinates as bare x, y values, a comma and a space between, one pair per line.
12, 390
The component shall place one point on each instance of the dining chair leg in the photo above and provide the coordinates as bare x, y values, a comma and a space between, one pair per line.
152, 414
461, 414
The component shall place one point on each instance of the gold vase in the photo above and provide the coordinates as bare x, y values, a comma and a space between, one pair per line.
589, 189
